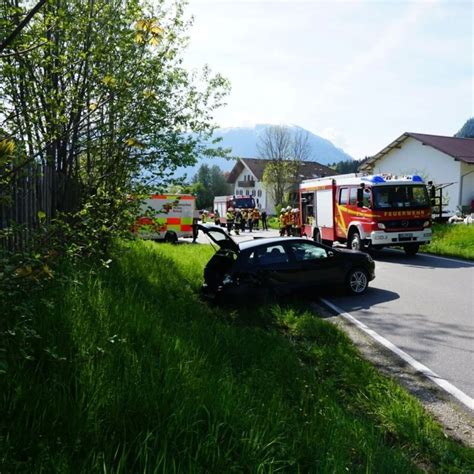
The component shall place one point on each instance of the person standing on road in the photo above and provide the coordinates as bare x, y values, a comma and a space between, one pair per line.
250, 219
217, 218
230, 219
288, 221
295, 223
264, 220
256, 218
281, 221
242, 222
238, 222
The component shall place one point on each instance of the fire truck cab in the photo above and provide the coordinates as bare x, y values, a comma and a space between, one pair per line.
366, 211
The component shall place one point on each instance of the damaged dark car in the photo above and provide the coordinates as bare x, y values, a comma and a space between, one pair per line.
273, 267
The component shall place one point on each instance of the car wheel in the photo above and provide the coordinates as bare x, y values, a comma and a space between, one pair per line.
357, 281
411, 249
317, 236
171, 238
355, 242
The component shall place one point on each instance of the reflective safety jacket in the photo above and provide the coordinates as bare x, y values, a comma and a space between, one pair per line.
282, 220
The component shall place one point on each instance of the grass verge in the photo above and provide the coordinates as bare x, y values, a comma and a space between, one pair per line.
133, 373
452, 240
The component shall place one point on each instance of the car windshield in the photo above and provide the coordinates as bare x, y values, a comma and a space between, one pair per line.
400, 196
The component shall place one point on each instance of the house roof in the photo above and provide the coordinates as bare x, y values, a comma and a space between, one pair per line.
461, 149
308, 169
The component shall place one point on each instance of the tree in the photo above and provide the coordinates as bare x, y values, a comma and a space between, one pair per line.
5, 43
208, 183
467, 130
104, 97
286, 150
347, 166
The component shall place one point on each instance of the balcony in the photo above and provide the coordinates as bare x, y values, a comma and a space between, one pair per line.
246, 184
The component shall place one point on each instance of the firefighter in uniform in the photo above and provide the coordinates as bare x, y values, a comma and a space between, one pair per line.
289, 221
255, 217
281, 221
295, 231
230, 219
238, 222
243, 220
217, 218
250, 219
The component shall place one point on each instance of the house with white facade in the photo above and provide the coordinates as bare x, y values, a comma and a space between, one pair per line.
446, 161
247, 174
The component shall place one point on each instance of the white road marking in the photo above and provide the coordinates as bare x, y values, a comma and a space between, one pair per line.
444, 384
431, 255
467, 262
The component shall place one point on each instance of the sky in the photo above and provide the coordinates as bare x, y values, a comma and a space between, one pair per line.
359, 72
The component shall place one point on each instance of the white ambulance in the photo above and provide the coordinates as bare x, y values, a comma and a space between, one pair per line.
166, 216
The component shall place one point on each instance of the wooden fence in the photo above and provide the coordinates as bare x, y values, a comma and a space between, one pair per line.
27, 198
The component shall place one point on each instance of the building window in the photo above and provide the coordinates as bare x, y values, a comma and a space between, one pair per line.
259, 193
247, 192
253, 192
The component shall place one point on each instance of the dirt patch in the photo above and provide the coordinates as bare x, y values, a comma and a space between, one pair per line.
456, 419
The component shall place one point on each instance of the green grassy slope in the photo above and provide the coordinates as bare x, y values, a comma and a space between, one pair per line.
452, 240
133, 373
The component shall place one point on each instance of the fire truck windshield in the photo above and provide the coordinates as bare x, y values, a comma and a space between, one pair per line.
243, 203
396, 196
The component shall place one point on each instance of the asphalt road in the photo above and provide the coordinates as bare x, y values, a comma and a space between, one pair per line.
423, 304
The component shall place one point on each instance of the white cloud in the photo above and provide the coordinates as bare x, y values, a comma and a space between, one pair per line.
334, 136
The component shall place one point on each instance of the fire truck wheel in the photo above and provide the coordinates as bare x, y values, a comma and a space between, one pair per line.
357, 281
411, 249
171, 238
355, 242
317, 236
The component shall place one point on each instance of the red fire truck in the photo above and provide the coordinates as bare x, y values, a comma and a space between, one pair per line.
222, 203
367, 211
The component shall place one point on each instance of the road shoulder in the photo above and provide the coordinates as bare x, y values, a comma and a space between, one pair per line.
457, 421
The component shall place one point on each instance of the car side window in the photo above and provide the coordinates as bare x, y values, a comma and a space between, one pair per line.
304, 251
273, 254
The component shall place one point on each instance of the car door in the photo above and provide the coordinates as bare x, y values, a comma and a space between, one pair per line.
273, 267
316, 264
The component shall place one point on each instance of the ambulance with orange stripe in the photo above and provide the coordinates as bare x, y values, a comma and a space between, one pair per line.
366, 211
166, 216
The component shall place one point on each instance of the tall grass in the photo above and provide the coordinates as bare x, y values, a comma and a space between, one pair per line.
452, 240
133, 373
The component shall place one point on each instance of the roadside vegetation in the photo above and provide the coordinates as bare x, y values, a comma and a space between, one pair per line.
124, 369
452, 240
449, 240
